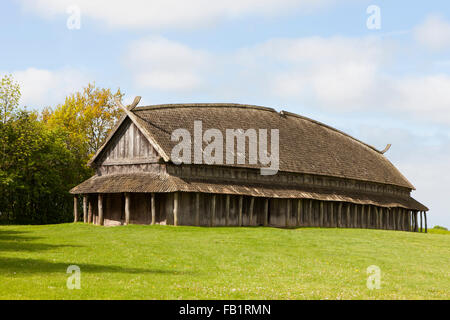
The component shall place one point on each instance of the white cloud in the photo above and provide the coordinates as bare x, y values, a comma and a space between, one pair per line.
425, 97
168, 13
332, 72
335, 73
158, 63
41, 87
433, 33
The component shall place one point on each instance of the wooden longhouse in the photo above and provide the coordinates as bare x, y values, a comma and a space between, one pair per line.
326, 178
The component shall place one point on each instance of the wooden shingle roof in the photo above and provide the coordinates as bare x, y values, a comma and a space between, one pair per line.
305, 145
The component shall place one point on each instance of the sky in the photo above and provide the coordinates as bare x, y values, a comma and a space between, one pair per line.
378, 70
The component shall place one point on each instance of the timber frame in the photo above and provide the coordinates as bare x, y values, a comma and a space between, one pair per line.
137, 183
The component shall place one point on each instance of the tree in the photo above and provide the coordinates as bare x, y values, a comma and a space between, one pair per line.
9, 97
37, 171
88, 116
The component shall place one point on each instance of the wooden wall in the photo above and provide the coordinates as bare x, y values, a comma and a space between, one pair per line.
232, 210
128, 151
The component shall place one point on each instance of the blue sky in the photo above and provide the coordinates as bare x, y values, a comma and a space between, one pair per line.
316, 58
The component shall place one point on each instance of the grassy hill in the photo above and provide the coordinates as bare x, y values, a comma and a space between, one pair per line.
164, 262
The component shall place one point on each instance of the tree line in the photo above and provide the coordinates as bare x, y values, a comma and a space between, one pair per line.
43, 154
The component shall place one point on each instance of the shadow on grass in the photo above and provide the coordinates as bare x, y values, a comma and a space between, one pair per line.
14, 241
12, 235
39, 266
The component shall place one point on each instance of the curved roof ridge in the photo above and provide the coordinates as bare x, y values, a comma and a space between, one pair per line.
204, 105
251, 106
331, 128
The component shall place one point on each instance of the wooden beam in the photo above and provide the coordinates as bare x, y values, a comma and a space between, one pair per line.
321, 214
85, 209
227, 209
266, 212
252, 203
388, 218
240, 210
332, 217
377, 218
416, 222
75, 208
212, 222
100, 209
339, 220
127, 208
310, 213
90, 210
147, 134
288, 212
299, 212
135, 103
421, 224
363, 217
153, 207
425, 216
175, 208
197, 209
398, 223
348, 216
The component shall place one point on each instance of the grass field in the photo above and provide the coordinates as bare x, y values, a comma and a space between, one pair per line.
165, 262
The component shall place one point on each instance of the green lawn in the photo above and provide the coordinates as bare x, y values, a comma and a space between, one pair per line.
165, 262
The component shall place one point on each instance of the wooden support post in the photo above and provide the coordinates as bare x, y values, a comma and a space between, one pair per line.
197, 209
388, 220
339, 220
288, 212
332, 218
153, 208
411, 223
85, 209
127, 208
212, 222
90, 210
75, 208
348, 216
175, 208
363, 217
416, 222
421, 225
266, 212
425, 216
406, 219
240, 210
252, 203
299, 212
377, 218
355, 216
100, 209
310, 213
397, 219
321, 214
369, 220
227, 209
403, 213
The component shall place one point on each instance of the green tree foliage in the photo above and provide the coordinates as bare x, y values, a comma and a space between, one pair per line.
88, 116
44, 155
9, 97
37, 171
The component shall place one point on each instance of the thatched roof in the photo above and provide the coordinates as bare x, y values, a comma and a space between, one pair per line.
151, 182
306, 146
